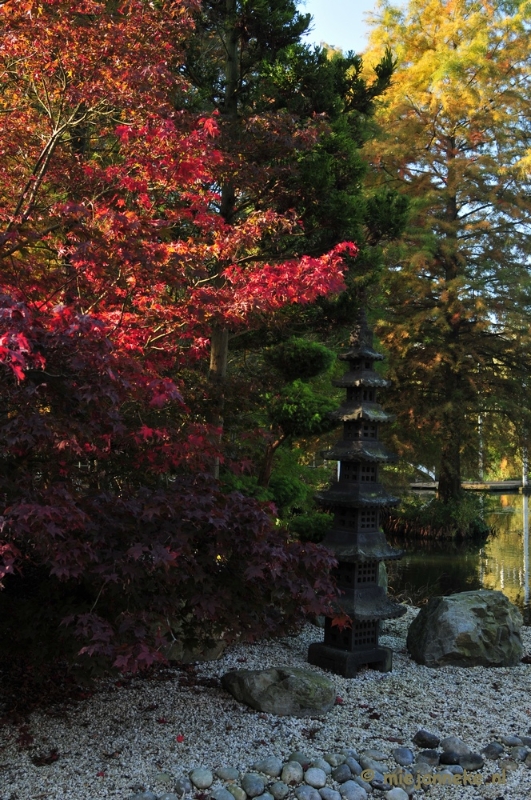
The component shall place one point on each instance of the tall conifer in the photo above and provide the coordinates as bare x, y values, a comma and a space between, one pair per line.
457, 288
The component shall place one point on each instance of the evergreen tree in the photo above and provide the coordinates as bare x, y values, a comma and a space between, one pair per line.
293, 120
457, 287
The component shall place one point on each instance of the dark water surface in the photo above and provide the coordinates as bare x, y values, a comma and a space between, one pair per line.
502, 562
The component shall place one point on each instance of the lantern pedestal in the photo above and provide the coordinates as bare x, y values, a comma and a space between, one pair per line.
347, 664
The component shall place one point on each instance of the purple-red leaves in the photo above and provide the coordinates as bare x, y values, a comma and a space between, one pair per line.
116, 267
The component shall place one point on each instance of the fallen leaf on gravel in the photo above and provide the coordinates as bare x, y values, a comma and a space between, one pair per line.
43, 760
24, 738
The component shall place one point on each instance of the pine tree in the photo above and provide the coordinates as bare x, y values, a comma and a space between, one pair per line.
457, 287
293, 120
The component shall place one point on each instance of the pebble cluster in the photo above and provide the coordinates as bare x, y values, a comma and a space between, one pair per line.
183, 737
348, 776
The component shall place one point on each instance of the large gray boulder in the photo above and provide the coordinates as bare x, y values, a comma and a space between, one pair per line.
286, 691
469, 629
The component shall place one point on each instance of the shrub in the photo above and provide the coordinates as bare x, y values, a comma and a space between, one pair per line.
434, 519
299, 411
300, 358
311, 527
110, 525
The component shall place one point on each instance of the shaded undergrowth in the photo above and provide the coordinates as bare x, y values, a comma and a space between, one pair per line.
417, 519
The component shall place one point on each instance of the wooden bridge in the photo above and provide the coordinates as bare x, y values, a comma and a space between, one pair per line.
501, 487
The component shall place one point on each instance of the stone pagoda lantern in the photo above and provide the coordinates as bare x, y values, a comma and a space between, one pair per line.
356, 499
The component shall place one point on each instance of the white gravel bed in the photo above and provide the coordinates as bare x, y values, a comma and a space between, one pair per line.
146, 733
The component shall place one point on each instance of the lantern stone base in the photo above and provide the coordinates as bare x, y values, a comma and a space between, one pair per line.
347, 663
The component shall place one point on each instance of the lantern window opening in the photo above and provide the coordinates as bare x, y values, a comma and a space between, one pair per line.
349, 471
365, 633
369, 430
337, 638
347, 518
368, 519
367, 572
368, 473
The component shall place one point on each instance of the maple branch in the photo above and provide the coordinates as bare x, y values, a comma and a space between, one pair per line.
57, 291
152, 339
97, 598
122, 312
41, 166
47, 107
104, 293
209, 279
248, 259
23, 242
37, 176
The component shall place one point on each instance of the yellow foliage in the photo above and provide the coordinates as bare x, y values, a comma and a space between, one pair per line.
454, 132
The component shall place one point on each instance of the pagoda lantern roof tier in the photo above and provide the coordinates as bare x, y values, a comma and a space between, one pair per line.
361, 377
360, 450
350, 412
359, 546
361, 351
347, 495
369, 604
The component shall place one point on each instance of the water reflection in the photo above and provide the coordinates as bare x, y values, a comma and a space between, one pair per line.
504, 563
525, 515
501, 563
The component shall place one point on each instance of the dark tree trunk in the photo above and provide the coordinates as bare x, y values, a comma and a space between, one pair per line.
450, 470
453, 429
267, 464
219, 346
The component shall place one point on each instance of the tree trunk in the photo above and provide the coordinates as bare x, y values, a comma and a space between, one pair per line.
453, 427
219, 346
219, 343
452, 421
450, 470
267, 464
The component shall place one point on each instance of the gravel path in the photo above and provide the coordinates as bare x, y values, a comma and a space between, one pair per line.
144, 734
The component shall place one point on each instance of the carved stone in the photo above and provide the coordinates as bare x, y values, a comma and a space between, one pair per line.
357, 498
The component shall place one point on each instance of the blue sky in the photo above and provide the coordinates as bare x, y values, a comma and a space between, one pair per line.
338, 22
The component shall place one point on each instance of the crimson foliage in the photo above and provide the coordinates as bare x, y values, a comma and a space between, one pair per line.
116, 265
140, 545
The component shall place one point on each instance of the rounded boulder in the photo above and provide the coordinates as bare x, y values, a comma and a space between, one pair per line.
469, 629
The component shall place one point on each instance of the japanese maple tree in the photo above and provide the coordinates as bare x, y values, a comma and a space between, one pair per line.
116, 267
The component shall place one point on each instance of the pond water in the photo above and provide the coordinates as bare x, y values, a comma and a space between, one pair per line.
502, 562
